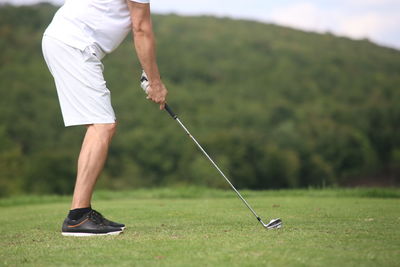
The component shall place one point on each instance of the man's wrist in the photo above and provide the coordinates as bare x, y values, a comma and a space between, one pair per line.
155, 82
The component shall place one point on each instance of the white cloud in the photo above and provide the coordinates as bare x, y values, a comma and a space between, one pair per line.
371, 24
303, 15
342, 20
374, 2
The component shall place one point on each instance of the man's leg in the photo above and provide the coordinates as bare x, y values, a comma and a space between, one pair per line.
82, 220
91, 161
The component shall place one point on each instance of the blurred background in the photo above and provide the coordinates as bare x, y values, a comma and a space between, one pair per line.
283, 94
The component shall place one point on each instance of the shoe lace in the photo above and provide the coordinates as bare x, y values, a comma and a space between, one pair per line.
96, 217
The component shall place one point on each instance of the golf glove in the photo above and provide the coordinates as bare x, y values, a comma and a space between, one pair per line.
144, 81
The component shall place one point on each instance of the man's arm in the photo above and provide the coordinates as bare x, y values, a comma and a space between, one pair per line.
144, 42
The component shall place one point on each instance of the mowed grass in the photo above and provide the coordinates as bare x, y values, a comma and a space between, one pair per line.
211, 229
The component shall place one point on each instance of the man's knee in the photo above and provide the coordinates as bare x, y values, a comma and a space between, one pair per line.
110, 128
106, 130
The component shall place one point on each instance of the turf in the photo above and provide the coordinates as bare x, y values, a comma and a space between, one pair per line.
210, 228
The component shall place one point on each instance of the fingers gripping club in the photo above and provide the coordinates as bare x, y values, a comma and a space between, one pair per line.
144, 83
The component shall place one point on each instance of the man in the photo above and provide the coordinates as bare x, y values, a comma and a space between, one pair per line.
81, 33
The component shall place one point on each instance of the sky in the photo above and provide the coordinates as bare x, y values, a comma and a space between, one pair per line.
377, 20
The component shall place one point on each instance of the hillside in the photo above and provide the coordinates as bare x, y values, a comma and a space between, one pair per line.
276, 107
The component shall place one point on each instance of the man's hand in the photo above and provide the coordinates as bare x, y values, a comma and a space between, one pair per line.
157, 93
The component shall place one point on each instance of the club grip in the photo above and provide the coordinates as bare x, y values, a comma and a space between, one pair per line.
169, 110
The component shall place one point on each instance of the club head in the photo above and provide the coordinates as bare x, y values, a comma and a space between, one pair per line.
273, 224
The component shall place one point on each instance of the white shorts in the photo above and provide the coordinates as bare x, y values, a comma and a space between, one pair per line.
81, 88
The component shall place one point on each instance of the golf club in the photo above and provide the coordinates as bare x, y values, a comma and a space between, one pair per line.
274, 223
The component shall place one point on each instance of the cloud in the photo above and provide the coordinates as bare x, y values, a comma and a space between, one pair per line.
371, 24
380, 23
303, 15
373, 2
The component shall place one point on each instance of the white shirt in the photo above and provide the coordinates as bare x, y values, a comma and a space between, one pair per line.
82, 23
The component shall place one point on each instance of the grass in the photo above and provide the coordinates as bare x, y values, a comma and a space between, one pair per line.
200, 227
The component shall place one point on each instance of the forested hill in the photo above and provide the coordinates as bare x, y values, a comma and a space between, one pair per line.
276, 107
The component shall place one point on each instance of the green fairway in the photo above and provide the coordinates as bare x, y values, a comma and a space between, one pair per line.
213, 228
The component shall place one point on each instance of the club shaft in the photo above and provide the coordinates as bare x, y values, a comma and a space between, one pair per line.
173, 115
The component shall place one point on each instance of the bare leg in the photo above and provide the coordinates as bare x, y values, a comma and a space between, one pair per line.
91, 161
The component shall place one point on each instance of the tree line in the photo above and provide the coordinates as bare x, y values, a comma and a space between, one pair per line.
276, 108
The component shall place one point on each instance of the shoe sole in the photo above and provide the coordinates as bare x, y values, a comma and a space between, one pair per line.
90, 234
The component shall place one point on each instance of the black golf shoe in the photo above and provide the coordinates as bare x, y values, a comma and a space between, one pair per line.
108, 222
91, 224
